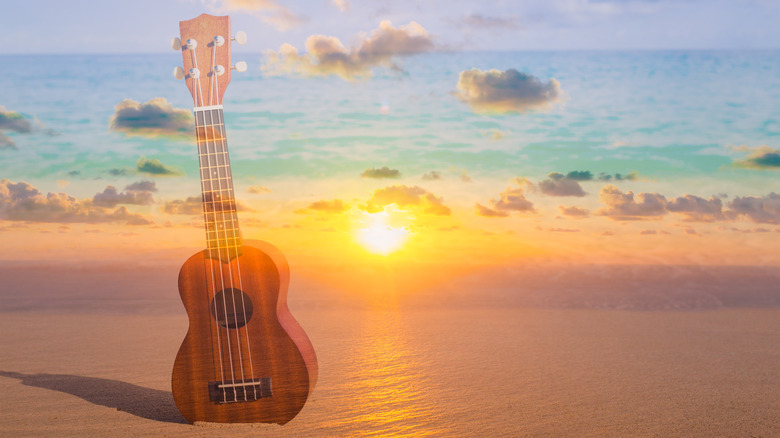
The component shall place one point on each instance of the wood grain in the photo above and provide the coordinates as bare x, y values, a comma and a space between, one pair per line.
271, 344
203, 29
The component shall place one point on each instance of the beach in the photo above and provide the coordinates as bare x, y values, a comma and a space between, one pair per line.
405, 369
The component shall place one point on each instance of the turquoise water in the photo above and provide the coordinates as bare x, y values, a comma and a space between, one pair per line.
667, 115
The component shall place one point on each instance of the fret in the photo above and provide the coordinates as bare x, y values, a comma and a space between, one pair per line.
208, 172
218, 181
209, 160
217, 194
213, 145
216, 226
220, 235
214, 232
222, 219
224, 241
207, 154
212, 225
223, 236
209, 135
220, 195
217, 207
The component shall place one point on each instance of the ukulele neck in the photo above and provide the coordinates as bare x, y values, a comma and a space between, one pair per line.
223, 237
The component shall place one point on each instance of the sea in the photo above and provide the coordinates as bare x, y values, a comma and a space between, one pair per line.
669, 115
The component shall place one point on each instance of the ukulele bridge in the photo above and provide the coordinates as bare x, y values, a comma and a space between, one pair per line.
240, 390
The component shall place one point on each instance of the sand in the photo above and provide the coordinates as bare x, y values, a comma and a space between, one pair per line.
418, 372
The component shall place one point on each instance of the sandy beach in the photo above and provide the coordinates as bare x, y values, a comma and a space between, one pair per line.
406, 370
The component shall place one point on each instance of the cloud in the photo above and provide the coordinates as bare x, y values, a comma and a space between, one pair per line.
258, 189
559, 185
383, 172
142, 186
494, 134
14, 122
587, 175
191, 205
697, 209
431, 176
6, 142
118, 172
495, 91
405, 197
762, 210
761, 158
154, 167
151, 119
574, 212
481, 210
622, 206
341, 5
328, 56
194, 205
334, 206
137, 193
631, 176
511, 199
24, 202
269, 11
580, 175
479, 21
284, 19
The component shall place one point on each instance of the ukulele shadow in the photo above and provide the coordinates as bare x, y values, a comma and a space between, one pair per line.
152, 404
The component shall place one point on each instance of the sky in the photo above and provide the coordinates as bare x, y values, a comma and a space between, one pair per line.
146, 26
402, 137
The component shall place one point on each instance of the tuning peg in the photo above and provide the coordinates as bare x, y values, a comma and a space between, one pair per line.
219, 41
178, 73
194, 73
240, 37
240, 66
176, 43
191, 43
219, 70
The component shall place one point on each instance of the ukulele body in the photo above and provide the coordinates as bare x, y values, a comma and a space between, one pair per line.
245, 359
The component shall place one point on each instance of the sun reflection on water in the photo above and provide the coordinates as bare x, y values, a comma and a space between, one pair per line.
386, 383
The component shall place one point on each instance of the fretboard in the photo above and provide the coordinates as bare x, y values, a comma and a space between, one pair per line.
223, 237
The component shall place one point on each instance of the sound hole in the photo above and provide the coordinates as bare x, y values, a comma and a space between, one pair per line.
231, 308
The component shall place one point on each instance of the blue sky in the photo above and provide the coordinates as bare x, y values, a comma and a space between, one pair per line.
146, 26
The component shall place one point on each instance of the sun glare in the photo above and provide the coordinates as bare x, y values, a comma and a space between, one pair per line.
381, 238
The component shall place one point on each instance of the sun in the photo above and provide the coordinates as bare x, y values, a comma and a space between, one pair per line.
381, 238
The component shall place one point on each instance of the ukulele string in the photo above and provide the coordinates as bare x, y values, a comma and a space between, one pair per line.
213, 284
212, 75
223, 143
219, 250
236, 237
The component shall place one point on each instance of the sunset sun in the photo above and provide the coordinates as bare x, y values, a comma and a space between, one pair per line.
381, 238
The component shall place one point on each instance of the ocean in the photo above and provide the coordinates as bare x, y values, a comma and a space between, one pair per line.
664, 114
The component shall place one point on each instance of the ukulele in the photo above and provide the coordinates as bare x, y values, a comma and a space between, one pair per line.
245, 359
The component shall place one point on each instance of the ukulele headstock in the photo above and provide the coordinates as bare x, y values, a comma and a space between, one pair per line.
205, 45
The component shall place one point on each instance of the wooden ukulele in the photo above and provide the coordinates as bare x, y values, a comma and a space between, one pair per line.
245, 359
